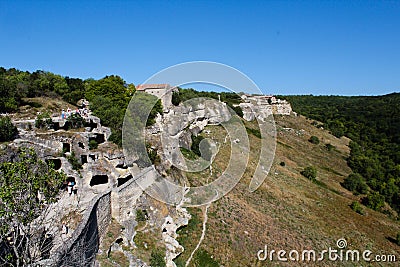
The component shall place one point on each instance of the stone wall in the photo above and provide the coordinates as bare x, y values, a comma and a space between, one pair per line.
82, 247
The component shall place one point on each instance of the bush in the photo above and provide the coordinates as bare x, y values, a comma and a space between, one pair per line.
76, 164
157, 259
374, 201
398, 238
204, 259
75, 121
141, 215
196, 144
314, 140
93, 144
152, 154
355, 183
329, 147
255, 132
355, 205
238, 110
283, 164
310, 173
43, 121
7, 130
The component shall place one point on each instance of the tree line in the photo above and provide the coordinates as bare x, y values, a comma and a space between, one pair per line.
108, 97
373, 125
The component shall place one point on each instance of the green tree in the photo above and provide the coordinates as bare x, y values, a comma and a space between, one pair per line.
374, 201
7, 130
355, 183
27, 186
176, 98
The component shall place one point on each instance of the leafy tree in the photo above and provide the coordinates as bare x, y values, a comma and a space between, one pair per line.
109, 97
176, 98
309, 172
27, 186
314, 140
355, 183
7, 130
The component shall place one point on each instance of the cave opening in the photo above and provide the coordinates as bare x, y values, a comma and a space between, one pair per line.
123, 180
99, 179
66, 147
84, 159
56, 163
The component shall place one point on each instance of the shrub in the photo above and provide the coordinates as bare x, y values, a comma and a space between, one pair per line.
355, 205
7, 130
283, 164
255, 132
374, 201
203, 258
329, 147
76, 164
309, 172
398, 238
157, 259
43, 121
238, 110
152, 154
196, 144
355, 183
75, 121
314, 140
140, 215
93, 144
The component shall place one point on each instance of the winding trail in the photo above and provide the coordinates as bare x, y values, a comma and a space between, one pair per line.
203, 233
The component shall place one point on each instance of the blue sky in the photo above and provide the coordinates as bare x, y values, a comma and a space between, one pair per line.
285, 47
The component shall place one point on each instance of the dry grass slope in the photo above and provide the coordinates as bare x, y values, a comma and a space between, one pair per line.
289, 211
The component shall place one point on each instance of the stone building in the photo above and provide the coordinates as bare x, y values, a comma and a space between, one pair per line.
162, 91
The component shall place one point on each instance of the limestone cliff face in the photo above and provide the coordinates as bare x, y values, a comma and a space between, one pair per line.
261, 107
105, 169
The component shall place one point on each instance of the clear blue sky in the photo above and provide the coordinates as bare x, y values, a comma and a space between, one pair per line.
286, 47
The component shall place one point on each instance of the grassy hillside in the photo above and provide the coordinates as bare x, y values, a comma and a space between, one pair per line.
288, 211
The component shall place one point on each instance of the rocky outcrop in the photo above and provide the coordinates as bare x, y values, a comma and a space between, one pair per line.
260, 107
